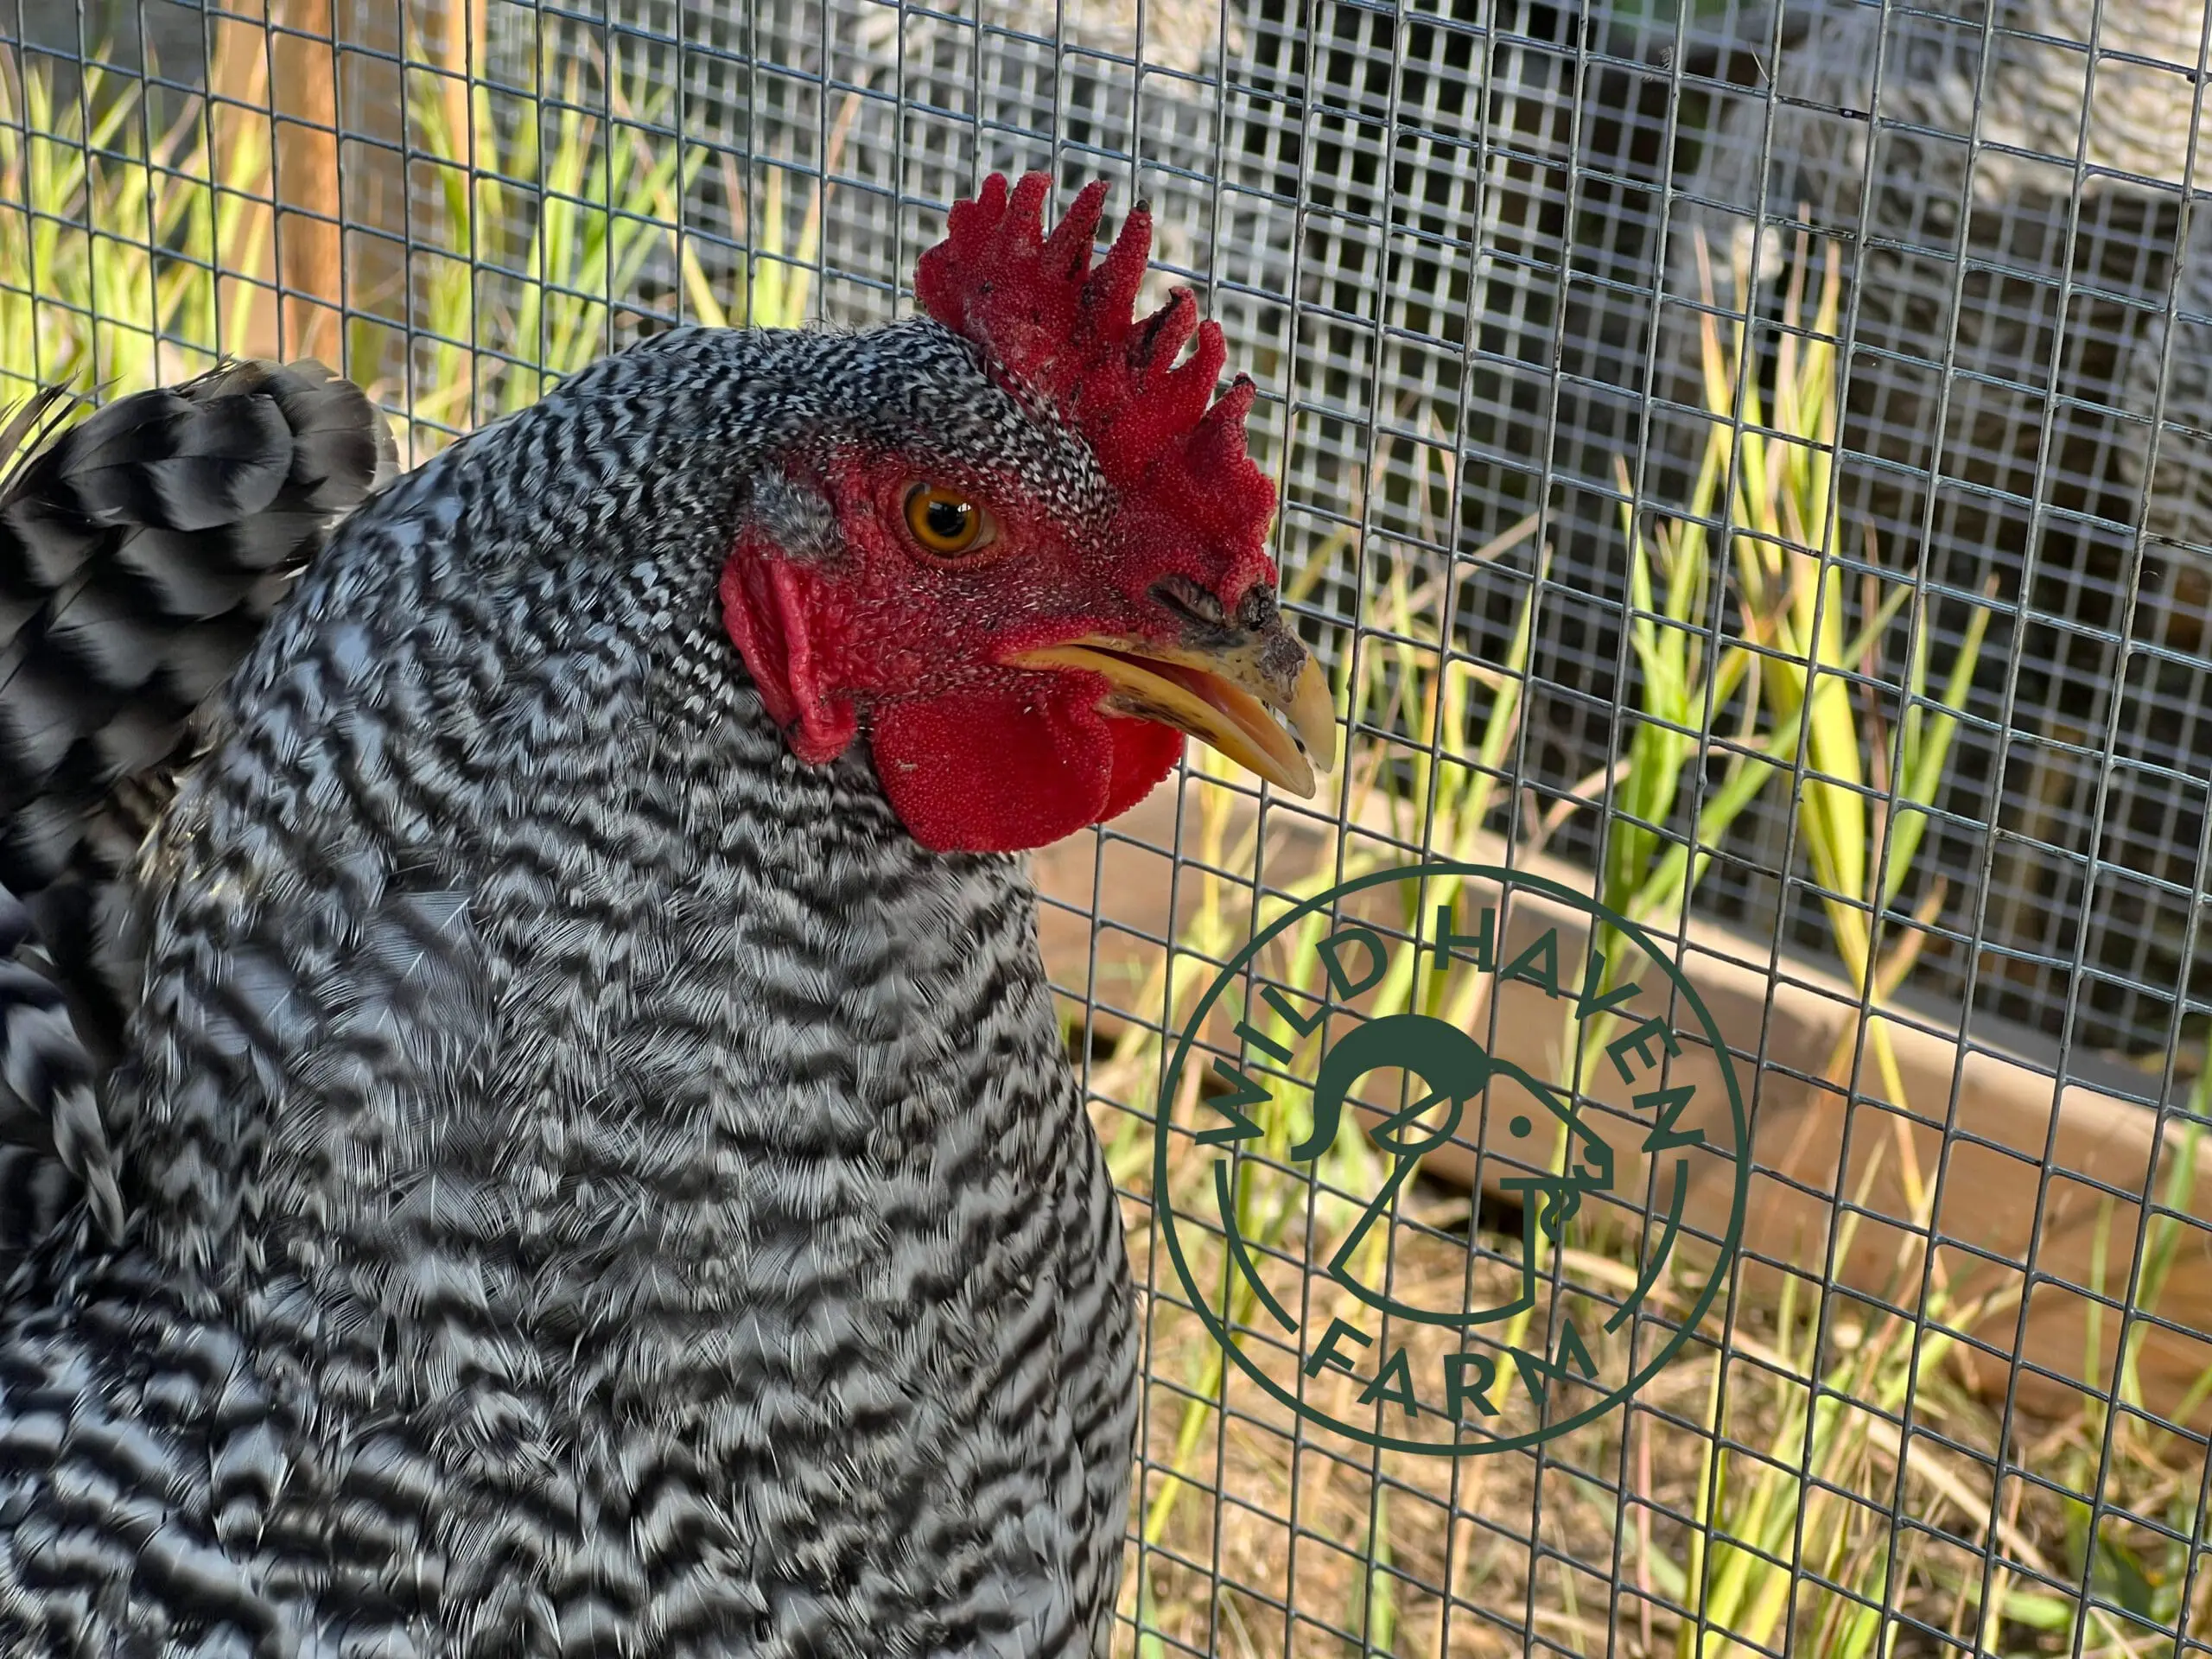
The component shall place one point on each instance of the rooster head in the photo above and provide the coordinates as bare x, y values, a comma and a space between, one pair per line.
1023, 550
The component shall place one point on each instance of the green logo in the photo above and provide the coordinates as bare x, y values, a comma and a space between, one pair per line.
1449, 1028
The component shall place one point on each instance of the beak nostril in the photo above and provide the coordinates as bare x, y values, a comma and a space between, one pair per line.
1257, 612
1191, 601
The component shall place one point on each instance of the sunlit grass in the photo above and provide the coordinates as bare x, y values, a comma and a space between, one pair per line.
551, 215
130, 257
87, 196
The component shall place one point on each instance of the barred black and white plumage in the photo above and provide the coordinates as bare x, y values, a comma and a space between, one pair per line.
597, 1180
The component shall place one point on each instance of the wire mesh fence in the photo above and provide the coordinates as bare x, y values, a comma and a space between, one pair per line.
1745, 467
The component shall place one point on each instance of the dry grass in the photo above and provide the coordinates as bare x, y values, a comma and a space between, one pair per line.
1592, 1547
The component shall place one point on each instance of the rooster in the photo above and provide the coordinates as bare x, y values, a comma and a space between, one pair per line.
578, 1157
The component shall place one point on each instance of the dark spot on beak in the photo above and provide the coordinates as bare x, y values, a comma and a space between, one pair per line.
1258, 617
1257, 609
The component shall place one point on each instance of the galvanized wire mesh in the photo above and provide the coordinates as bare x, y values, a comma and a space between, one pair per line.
1472, 250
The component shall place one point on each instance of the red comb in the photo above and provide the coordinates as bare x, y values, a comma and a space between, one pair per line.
1068, 333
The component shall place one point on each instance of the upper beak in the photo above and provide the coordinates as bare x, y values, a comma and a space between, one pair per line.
1226, 693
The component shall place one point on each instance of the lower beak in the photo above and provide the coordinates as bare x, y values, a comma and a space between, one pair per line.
1227, 695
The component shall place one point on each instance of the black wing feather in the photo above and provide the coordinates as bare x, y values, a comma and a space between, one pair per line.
142, 550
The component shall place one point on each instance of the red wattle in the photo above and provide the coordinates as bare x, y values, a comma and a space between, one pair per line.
1145, 752
1005, 770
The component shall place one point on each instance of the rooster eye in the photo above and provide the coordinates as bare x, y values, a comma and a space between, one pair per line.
947, 522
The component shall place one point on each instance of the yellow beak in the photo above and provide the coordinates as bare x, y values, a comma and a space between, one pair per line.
1222, 696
